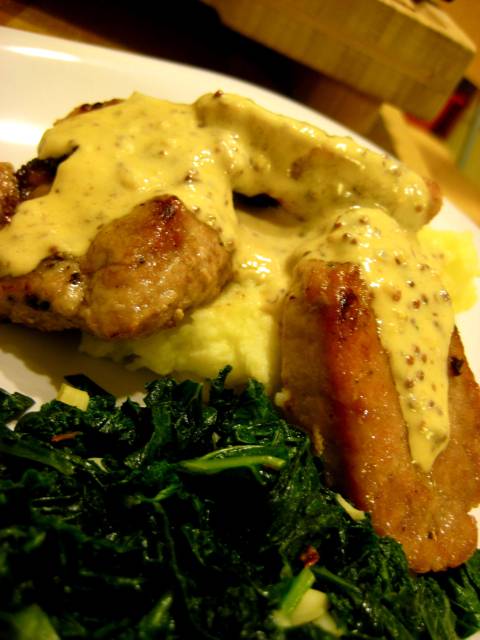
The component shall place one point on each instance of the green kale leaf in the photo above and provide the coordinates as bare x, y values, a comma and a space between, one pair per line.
198, 514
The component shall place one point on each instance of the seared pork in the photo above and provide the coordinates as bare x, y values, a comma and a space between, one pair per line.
341, 390
9, 193
140, 274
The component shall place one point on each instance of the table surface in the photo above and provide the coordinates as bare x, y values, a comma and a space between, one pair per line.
190, 32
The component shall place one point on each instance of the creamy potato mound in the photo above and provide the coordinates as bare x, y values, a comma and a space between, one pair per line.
238, 329
235, 329
455, 255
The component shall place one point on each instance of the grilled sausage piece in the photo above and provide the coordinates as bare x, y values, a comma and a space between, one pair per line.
346, 398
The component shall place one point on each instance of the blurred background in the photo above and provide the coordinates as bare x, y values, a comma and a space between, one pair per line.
403, 73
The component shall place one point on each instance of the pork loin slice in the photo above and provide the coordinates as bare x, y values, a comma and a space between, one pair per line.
342, 392
141, 273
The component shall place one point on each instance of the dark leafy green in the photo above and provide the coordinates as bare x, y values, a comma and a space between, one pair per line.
12, 405
185, 519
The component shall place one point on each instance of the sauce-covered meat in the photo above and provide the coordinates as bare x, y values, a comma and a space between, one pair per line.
344, 394
126, 221
140, 274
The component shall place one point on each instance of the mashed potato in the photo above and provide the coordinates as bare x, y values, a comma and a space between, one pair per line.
238, 329
455, 255
235, 329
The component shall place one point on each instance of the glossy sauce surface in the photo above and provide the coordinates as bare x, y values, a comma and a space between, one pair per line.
413, 310
124, 154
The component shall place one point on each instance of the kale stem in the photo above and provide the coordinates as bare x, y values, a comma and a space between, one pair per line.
201, 465
300, 585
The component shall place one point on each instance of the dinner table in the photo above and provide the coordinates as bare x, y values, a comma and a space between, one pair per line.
192, 32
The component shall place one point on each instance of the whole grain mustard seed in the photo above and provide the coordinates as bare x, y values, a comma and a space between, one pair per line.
393, 270
423, 426
397, 295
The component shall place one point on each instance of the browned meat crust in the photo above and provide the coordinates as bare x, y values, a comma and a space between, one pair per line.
35, 178
145, 269
342, 392
90, 106
140, 274
9, 193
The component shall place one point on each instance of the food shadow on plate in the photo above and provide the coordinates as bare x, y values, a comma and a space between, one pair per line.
36, 363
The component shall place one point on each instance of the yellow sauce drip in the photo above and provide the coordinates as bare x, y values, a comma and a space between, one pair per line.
125, 154
414, 315
264, 248
121, 156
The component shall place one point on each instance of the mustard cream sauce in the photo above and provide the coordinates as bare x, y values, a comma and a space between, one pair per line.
414, 315
127, 153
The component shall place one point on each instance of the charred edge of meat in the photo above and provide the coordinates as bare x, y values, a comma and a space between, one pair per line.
347, 299
90, 106
9, 193
166, 208
35, 174
8, 208
75, 278
34, 302
456, 365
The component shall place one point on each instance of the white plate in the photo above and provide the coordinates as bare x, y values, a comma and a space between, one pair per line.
43, 78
